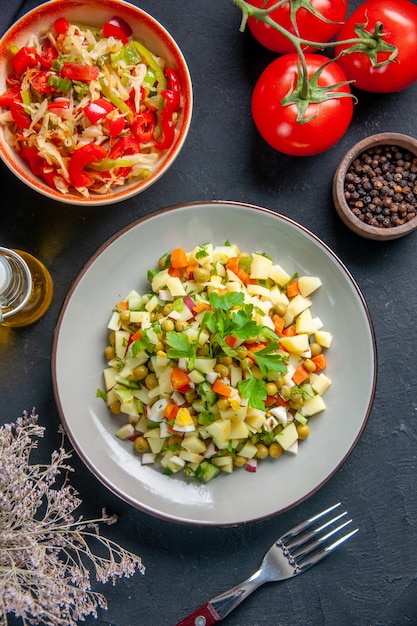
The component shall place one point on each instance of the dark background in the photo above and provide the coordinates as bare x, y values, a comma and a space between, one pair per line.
372, 580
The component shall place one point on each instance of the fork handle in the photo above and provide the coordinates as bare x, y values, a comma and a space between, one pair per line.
219, 607
206, 615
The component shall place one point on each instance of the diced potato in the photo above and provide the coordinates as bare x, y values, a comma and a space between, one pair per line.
308, 284
191, 457
160, 280
194, 444
258, 290
249, 450
278, 297
156, 443
239, 430
320, 382
205, 364
255, 418
141, 317
223, 253
220, 430
287, 437
305, 323
260, 267
114, 323
125, 431
312, 406
298, 344
324, 338
298, 304
121, 343
224, 462
110, 375
175, 286
279, 275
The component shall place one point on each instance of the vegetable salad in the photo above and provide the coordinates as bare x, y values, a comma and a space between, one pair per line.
219, 365
89, 109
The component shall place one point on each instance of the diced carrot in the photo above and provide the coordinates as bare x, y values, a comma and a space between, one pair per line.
293, 289
189, 271
137, 335
300, 375
279, 323
221, 388
270, 401
201, 306
231, 341
173, 271
320, 362
179, 378
170, 411
289, 331
232, 264
179, 258
256, 347
122, 306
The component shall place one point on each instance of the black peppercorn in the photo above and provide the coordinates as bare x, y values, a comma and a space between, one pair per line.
380, 186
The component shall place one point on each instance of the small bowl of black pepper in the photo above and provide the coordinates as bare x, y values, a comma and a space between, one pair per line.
375, 186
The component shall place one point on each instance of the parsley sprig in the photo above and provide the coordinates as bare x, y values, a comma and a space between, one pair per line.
230, 316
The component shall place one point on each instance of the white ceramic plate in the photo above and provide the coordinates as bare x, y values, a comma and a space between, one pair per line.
81, 335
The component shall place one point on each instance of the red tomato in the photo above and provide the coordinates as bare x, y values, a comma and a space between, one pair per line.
20, 118
310, 26
117, 27
323, 123
97, 109
40, 82
78, 71
61, 25
399, 28
25, 58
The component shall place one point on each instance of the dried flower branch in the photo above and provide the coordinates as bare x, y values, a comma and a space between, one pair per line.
46, 553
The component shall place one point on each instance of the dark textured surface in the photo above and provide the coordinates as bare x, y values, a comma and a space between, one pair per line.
372, 581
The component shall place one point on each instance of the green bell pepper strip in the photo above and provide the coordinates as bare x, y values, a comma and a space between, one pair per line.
150, 61
118, 102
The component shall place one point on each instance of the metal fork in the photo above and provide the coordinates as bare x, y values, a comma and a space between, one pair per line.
295, 552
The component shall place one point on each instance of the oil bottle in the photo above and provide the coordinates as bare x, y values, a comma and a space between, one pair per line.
26, 288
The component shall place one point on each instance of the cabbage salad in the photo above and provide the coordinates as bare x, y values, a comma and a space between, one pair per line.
89, 109
219, 365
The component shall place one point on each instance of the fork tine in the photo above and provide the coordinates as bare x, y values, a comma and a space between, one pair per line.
303, 538
305, 547
319, 555
297, 530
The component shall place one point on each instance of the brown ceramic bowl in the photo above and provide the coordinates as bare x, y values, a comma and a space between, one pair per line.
345, 211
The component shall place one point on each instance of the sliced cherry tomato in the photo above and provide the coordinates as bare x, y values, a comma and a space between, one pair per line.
61, 25
8, 96
393, 22
90, 153
25, 58
143, 127
20, 118
322, 124
309, 23
119, 29
97, 109
78, 71
40, 82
